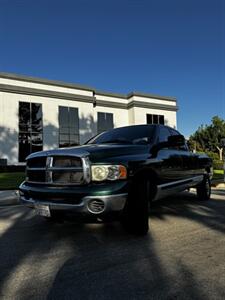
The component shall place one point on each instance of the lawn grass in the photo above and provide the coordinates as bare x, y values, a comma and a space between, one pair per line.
11, 181
219, 172
218, 175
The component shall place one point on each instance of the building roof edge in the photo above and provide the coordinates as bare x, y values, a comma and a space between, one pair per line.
45, 81
82, 87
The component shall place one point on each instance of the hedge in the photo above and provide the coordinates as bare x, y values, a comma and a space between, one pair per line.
218, 165
12, 168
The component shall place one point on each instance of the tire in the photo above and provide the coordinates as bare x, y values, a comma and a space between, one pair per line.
204, 189
135, 217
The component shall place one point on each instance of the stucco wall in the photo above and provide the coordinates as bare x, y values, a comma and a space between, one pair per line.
140, 116
9, 128
9, 107
123, 114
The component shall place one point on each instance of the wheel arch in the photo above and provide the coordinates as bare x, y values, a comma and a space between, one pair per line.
147, 174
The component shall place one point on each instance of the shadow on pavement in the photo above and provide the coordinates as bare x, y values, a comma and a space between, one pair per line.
209, 213
83, 261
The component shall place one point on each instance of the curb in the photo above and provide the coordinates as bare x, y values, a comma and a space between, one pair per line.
9, 197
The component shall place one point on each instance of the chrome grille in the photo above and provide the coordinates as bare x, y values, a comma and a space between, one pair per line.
58, 170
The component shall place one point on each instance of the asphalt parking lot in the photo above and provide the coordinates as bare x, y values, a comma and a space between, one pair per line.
182, 257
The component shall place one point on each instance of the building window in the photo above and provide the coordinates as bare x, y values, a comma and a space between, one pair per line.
155, 119
30, 129
105, 121
68, 126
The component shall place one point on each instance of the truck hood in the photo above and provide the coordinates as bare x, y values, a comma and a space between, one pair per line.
95, 151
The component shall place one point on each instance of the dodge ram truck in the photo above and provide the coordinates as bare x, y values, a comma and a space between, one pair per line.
116, 173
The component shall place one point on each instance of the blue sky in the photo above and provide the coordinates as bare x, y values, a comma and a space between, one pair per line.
166, 47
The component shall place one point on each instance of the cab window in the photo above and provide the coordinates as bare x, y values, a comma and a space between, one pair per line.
163, 134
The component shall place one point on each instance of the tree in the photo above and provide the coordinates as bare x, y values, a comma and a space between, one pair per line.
209, 137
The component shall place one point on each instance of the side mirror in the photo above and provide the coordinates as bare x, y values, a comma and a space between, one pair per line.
176, 140
173, 141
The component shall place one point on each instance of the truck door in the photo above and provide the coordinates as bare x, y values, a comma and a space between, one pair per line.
189, 159
171, 159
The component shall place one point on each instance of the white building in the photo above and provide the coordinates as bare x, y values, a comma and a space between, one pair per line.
38, 114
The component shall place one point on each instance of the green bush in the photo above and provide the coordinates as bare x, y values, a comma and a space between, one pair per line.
213, 155
11, 181
218, 164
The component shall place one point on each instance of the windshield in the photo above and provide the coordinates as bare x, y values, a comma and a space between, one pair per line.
138, 135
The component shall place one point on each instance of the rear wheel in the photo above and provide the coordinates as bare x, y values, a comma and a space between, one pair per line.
204, 189
136, 212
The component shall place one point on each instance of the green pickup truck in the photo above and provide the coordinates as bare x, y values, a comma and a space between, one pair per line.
116, 173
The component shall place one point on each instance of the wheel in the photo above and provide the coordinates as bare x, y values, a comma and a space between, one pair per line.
136, 211
204, 189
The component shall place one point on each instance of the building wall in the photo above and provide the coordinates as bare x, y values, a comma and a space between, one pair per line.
9, 128
127, 110
46, 87
87, 121
140, 116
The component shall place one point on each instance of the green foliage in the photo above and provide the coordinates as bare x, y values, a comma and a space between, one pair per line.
11, 181
208, 137
218, 164
218, 172
218, 177
213, 155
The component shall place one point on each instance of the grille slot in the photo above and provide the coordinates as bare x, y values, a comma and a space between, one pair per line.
36, 175
36, 162
67, 177
64, 162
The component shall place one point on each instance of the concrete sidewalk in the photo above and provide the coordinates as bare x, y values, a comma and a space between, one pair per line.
9, 197
218, 183
220, 186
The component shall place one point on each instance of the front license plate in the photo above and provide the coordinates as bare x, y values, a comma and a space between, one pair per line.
42, 210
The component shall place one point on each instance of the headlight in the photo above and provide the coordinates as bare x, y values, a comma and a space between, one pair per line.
108, 172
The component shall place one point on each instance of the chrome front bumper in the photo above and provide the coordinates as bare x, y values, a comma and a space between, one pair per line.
111, 203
